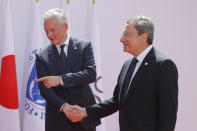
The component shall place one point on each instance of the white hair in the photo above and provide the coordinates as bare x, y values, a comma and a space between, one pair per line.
143, 24
56, 13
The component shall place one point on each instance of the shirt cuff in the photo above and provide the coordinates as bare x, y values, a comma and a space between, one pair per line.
61, 109
61, 81
85, 112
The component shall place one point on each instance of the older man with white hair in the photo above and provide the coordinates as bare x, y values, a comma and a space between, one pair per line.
64, 70
146, 94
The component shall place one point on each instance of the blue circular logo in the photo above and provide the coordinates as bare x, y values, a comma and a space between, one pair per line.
33, 92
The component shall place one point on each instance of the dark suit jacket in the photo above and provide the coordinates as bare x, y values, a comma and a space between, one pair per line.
80, 71
152, 100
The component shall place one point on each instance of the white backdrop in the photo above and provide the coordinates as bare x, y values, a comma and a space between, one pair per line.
175, 35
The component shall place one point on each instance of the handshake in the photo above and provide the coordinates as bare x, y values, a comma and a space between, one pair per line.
74, 112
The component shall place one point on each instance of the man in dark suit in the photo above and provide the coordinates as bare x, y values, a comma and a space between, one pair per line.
64, 70
146, 93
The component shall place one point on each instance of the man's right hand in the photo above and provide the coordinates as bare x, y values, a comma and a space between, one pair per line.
50, 81
74, 113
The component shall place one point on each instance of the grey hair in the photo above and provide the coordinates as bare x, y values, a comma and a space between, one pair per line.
143, 24
56, 13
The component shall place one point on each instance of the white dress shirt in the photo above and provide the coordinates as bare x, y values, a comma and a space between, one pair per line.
66, 46
140, 58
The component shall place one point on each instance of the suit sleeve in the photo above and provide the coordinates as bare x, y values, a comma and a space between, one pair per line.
48, 94
85, 76
106, 107
167, 98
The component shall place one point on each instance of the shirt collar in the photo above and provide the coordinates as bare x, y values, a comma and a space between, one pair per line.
66, 42
143, 54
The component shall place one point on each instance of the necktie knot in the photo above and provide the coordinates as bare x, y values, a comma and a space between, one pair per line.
135, 60
62, 47
62, 52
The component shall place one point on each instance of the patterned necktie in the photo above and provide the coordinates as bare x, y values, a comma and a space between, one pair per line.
128, 77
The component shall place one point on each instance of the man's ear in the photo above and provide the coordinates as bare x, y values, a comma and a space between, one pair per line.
144, 37
66, 26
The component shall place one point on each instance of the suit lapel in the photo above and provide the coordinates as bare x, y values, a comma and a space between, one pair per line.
71, 54
122, 76
124, 72
54, 55
144, 67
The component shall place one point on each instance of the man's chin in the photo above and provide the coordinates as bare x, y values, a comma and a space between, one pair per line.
54, 43
125, 50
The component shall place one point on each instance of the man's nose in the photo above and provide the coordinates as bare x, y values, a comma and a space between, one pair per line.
49, 34
122, 39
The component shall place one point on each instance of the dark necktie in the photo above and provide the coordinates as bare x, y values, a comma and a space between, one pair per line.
62, 53
62, 60
63, 70
128, 77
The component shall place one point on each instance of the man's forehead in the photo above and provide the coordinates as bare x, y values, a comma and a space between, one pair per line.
129, 26
52, 20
